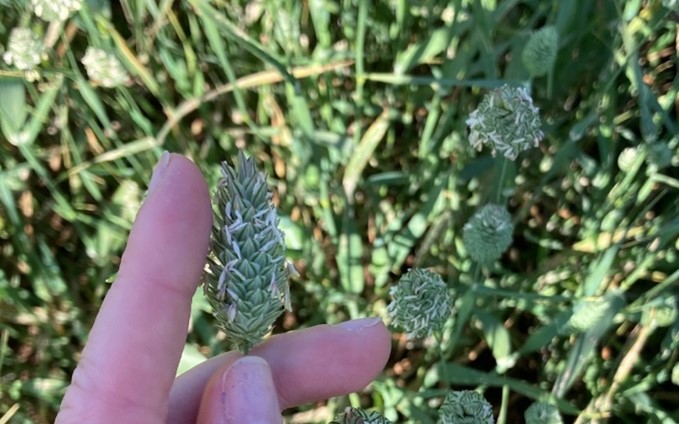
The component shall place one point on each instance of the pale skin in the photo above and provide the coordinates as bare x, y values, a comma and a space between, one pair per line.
127, 370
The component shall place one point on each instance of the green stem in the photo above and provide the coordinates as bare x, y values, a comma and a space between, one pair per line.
502, 417
501, 182
442, 359
363, 6
476, 273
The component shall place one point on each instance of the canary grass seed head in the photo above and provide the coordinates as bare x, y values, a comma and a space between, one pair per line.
539, 54
587, 313
488, 233
591, 312
542, 413
247, 282
359, 416
104, 68
465, 407
25, 50
662, 312
421, 303
507, 121
55, 10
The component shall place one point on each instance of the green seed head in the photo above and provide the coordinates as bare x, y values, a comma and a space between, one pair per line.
24, 49
359, 416
542, 413
587, 313
675, 374
590, 312
247, 282
55, 10
104, 68
421, 303
661, 313
507, 121
539, 54
465, 407
488, 233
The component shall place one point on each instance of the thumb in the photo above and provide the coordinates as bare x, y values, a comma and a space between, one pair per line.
243, 392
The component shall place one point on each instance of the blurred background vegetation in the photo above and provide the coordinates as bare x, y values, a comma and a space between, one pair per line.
356, 110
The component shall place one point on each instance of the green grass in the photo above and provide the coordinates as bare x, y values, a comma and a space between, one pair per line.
356, 110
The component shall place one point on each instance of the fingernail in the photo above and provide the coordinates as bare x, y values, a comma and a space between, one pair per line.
159, 171
248, 392
359, 324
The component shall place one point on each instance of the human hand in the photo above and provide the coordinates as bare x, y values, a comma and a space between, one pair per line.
127, 370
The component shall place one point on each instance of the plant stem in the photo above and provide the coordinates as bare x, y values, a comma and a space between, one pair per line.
504, 407
501, 182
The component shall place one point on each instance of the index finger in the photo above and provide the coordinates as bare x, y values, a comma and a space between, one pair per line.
129, 363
